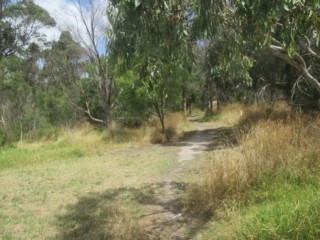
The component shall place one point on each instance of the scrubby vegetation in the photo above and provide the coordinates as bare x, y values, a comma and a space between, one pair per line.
86, 140
266, 187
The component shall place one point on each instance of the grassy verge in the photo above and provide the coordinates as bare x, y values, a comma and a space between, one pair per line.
267, 187
83, 185
85, 141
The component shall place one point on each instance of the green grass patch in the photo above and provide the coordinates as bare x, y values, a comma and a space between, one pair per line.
277, 206
282, 206
19, 156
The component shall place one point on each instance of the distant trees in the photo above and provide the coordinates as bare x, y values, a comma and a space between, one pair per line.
91, 31
61, 75
19, 24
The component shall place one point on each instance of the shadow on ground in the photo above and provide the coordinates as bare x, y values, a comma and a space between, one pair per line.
104, 215
210, 139
93, 216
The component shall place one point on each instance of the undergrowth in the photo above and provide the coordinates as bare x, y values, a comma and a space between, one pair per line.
85, 140
271, 178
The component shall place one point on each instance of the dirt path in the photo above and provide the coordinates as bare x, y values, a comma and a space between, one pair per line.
164, 217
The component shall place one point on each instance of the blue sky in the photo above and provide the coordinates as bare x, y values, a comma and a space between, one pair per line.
67, 17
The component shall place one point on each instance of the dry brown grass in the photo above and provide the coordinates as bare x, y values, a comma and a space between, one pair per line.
174, 125
287, 142
127, 227
232, 113
86, 135
254, 114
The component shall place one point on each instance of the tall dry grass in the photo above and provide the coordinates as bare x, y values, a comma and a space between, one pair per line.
174, 125
116, 134
251, 115
92, 140
278, 142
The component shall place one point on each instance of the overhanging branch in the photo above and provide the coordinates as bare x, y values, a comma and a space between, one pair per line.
313, 53
298, 63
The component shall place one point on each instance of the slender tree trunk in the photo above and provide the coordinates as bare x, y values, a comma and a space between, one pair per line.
160, 112
218, 98
184, 101
162, 124
209, 107
160, 116
108, 106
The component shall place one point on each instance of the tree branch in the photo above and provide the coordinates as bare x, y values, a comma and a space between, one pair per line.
87, 111
300, 65
313, 53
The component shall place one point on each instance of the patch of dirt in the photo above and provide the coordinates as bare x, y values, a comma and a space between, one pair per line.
163, 217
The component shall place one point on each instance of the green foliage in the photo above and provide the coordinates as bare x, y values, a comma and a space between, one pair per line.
132, 103
62, 62
282, 207
156, 44
210, 15
19, 25
286, 21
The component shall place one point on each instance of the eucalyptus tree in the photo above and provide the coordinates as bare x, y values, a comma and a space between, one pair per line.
20, 22
153, 38
288, 29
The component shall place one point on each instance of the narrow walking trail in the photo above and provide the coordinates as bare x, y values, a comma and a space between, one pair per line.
164, 217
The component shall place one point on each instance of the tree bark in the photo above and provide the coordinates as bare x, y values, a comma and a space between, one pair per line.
160, 113
209, 107
108, 107
184, 101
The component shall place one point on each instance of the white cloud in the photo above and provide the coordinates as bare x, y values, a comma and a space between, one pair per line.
54, 8
68, 17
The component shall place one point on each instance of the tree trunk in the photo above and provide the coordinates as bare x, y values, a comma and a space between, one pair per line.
108, 106
209, 107
184, 101
160, 112
218, 99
